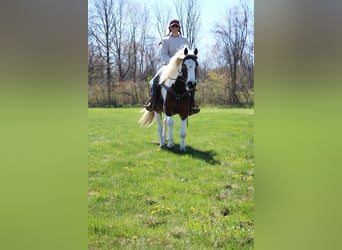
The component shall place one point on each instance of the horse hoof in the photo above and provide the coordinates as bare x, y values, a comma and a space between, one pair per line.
182, 150
170, 145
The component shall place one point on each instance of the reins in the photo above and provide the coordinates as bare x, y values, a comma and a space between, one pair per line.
173, 92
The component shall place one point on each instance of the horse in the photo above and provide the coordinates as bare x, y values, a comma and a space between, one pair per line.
177, 81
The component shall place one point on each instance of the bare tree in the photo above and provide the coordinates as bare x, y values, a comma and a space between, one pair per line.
121, 39
100, 28
162, 17
247, 77
189, 15
138, 18
231, 41
148, 52
96, 65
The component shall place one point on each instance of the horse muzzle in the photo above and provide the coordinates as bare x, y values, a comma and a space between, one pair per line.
191, 84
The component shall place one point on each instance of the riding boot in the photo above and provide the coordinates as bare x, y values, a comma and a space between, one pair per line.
194, 108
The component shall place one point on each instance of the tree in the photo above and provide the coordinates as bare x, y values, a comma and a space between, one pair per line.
189, 16
101, 26
231, 43
96, 65
138, 38
121, 39
162, 17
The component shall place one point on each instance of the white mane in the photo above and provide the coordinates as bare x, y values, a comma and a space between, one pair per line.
171, 70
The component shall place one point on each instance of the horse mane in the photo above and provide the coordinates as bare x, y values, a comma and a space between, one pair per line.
171, 69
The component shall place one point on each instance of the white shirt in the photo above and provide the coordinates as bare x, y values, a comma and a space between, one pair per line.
170, 45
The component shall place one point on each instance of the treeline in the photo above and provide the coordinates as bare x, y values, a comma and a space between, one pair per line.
123, 52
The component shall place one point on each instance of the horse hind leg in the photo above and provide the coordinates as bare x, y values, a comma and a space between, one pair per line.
182, 134
170, 143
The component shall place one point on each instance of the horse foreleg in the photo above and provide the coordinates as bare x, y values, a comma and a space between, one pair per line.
160, 128
170, 143
182, 134
164, 130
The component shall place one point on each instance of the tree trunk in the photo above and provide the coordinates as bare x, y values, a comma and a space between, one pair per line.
233, 98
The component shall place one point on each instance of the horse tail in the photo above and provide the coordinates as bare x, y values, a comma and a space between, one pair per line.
146, 119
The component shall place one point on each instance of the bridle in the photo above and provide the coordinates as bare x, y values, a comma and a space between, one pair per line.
184, 69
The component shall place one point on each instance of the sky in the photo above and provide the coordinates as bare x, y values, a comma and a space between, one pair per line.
212, 11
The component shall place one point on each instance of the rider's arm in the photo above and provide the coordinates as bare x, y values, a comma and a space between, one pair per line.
165, 51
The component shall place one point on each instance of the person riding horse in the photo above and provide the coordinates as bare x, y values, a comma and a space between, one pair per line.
170, 45
177, 83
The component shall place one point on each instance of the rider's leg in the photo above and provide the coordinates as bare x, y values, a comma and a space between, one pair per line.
153, 101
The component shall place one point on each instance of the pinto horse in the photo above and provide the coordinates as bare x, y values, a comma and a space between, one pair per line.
177, 82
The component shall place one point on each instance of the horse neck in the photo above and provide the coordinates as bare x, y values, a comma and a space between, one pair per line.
171, 72
179, 85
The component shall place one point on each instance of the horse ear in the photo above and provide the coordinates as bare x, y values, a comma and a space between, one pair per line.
196, 51
186, 51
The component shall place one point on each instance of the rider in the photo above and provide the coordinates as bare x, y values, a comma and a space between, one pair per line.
170, 45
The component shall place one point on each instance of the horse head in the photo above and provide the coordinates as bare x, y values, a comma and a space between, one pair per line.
189, 68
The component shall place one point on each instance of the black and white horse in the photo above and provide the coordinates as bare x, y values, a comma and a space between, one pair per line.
177, 81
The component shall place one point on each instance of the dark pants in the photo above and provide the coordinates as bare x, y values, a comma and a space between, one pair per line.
154, 86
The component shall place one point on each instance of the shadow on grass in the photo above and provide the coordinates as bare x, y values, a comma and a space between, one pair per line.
207, 156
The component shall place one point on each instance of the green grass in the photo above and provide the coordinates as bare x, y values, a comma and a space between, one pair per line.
144, 197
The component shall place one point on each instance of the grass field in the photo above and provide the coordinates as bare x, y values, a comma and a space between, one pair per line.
144, 197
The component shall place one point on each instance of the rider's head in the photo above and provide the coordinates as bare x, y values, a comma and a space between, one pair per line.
174, 24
